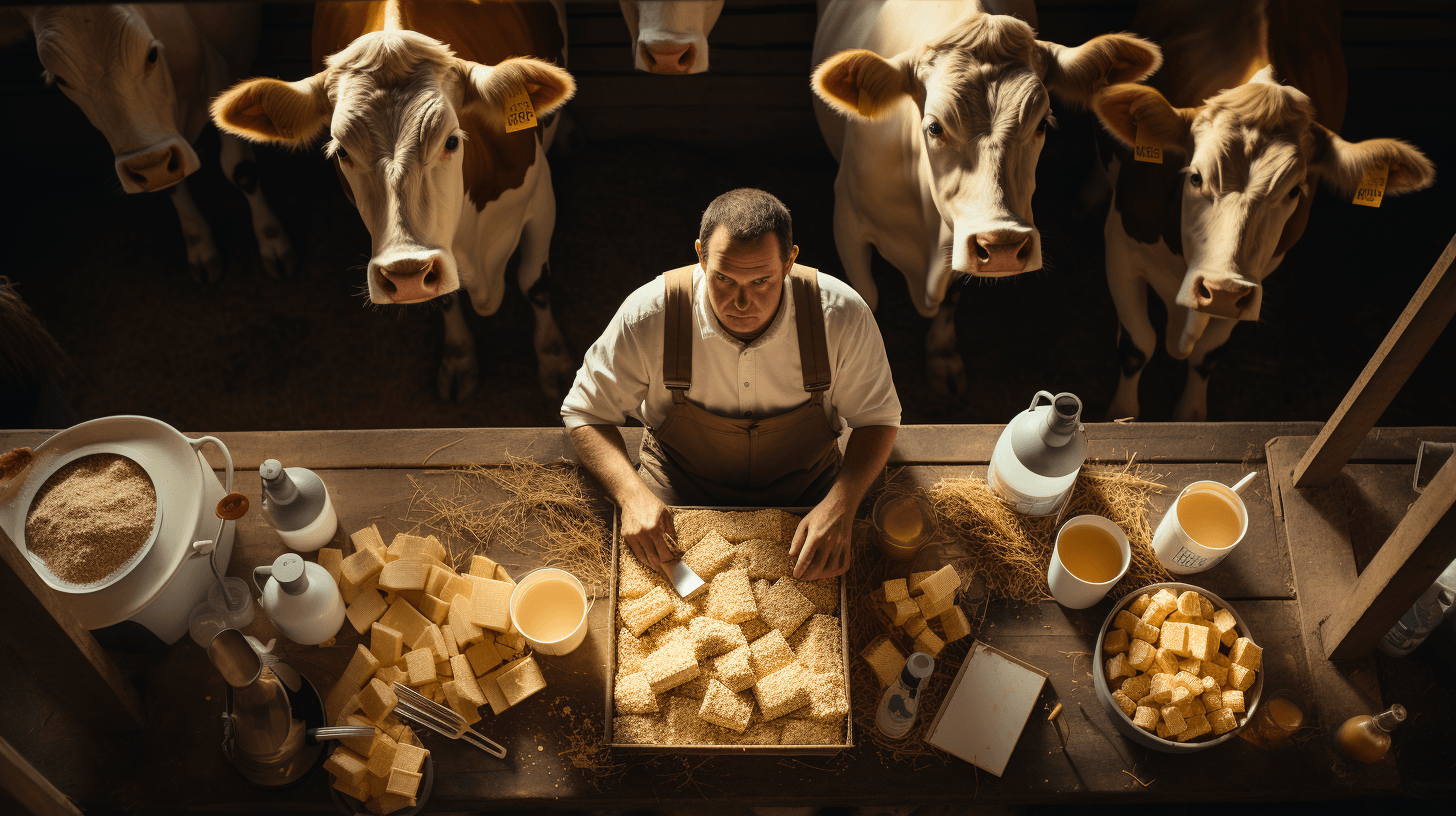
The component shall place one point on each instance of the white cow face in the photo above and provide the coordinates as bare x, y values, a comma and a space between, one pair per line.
1253, 156
670, 36
981, 112
400, 109
108, 61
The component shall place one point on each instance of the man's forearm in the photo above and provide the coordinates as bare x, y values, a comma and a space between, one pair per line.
864, 459
604, 455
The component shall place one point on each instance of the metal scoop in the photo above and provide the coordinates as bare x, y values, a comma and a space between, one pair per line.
684, 580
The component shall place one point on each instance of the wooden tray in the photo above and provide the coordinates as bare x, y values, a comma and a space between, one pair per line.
715, 750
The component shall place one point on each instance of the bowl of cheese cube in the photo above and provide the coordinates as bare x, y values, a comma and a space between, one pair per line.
1178, 670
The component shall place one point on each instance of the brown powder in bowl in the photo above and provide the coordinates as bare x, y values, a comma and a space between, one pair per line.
91, 517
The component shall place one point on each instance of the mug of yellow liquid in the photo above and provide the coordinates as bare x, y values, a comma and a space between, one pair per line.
1090, 556
904, 522
548, 608
1205, 523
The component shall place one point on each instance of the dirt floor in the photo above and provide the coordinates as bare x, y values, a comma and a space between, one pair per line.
107, 275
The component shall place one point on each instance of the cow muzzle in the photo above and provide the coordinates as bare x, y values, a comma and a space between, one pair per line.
409, 279
155, 168
1226, 297
1000, 253
667, 56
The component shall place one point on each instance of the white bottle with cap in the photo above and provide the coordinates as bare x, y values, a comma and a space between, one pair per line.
301, 599
1038, 456
297, 504
900, 703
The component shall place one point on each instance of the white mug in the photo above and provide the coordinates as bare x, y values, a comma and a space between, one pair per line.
1071, 591
1178, 551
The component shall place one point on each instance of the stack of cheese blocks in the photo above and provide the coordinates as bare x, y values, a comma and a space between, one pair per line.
914, 606
1168, 669
448, 636
756, 658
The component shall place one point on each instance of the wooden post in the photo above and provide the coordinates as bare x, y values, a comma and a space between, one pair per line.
1408, 562
1409, 339
56, 645
24, 790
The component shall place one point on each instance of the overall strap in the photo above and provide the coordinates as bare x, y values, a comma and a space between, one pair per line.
677, 331
809, 319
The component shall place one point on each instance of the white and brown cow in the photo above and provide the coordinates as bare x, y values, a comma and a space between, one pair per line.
143, 75
413, 100
937, 112
1242, 155
670, 36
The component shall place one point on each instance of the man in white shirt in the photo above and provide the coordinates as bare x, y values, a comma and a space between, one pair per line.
744, 368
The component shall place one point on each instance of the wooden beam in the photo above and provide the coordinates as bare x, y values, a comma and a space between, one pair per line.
1423, 320
24, 790
60, 649
1408, 562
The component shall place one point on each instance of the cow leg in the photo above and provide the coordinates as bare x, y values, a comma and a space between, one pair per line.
204, 262
459, 370
854, 251
554, 362
943, 364
241, 167
1136, 337
1193, 404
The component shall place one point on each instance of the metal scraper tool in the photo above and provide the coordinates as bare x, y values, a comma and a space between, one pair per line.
684, 580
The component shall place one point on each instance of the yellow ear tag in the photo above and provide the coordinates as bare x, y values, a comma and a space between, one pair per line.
1146, 151
519, 113
866, 106
1372, 186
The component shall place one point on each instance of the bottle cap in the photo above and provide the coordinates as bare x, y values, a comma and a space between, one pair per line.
1049, 441
288, 570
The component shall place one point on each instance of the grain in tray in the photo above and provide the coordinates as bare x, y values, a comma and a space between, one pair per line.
783, 691
819, 645
783, 607
634, 694
730, 597
710, 556
735, 669
713, 637
769, 653
724, 708
807, 732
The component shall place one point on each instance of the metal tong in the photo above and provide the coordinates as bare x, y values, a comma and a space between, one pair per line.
420, 709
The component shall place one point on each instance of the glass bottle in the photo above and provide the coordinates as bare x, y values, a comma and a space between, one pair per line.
1365, 738
900, 703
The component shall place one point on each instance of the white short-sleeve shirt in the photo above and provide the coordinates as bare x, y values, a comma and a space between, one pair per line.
621, 376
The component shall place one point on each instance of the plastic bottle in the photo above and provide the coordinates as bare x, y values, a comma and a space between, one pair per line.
297, 504
301, 599
1365, 738
1423, 617
1037, 457
901, 701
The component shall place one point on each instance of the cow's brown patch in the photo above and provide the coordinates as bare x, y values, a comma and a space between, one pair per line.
1150, 200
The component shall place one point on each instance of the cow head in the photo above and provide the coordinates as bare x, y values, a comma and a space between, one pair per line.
109, 61
1253, 155
981, 94
670, 36
398, 107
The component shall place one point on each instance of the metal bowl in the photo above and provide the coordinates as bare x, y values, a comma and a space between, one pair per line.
1124, 723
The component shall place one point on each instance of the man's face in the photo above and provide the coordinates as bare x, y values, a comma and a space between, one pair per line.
745, 280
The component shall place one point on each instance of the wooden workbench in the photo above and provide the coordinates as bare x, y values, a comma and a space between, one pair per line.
176, 763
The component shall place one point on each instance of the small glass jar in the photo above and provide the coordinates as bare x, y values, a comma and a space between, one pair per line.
1280, 715
905, 523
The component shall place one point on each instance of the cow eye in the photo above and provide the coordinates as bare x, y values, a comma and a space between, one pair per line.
1041, 126
934, 128
341, 153
452, 143
61, 81
1294, 191
152, 56
1195, 179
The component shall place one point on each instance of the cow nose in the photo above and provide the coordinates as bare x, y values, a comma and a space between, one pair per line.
1002, 252
1222, 298
410, 279
668, 57
155, 169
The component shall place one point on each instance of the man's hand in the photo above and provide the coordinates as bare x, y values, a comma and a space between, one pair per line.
647, 529
821, 542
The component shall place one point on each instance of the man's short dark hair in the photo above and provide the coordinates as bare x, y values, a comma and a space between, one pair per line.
748, 215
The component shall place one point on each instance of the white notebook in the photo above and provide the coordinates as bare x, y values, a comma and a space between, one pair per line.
986, 708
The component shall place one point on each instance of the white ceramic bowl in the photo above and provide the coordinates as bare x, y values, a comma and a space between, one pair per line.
1148, 738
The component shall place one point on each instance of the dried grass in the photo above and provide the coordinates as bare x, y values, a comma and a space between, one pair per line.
547, 512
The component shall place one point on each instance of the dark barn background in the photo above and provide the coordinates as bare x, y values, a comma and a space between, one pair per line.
106, 273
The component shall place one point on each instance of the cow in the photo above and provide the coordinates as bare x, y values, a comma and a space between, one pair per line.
937, 112
670, 36
1241, 155
413, 98
143, 75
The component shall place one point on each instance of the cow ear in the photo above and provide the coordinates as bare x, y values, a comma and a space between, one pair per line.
1126, 110
1341, 164
860, 84
488, 86
274, 111
1074, 74
14, 24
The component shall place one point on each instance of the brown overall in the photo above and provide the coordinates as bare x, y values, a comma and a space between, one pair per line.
699, 458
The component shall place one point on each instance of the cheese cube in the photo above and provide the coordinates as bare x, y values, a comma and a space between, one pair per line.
377, 699
1233, 700
1166, 600
929, 642
1222, 721
522, 680
465, 683
1245, 653
434, 640
916, 579
1209, 684
1191, 665
403, 783
366, 609
1153, 615
1174, 638
1173, 718
362, 565
1146, 633
1165, 662
1188, 681
1240, 678
1116, 666
1140, 655
1145, 717
465, 631
1197, 726
503, 576
1137, 687
403, 574
884, 659
368, 538
1188, 603
387, 645
347, 765
915, 625
482, 566
457, 587
1206, 608
1162, 688
1116, 641
1139, 606
896, 590
407, 620
1126, 621
408, 757
1124, 702
900, 611
944, 583
1226, 626
360, 669
955, 624
419, 664
438, 580
490, 605
332, 560
381, 754
1212, 700
932, 606
1199, 643
435, 610
452, 647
